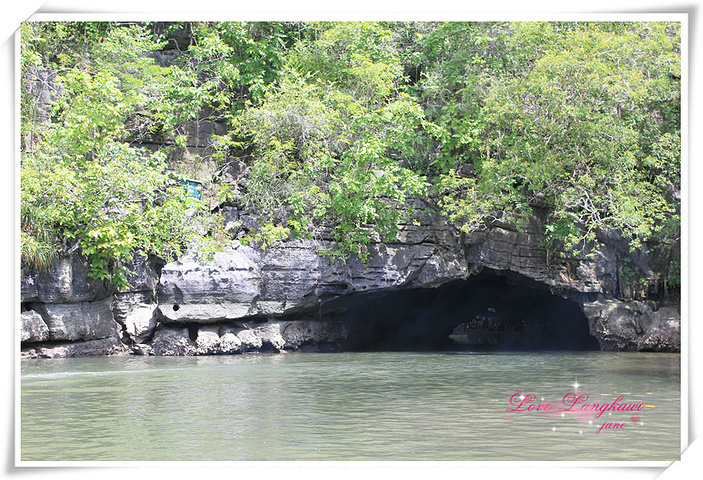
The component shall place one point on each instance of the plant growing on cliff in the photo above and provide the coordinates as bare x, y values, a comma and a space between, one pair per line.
587, 129
83, 186
578, 120
335, 143
119, 203
342, 123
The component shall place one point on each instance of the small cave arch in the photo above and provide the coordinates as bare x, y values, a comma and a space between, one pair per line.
422, 319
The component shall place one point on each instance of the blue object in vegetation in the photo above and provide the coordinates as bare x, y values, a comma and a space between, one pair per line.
194, 188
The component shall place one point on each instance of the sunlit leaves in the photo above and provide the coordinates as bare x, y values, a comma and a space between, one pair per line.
335, 148
585, 110
119, 203
91, 113
84, 188
341, 123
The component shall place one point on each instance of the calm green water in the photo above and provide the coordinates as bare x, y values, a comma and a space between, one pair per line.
347, 406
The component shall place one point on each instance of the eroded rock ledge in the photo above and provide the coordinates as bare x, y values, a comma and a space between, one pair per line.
288, 297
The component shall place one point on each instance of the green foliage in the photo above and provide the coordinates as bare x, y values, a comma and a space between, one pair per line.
231, 64
580, 119
357, 57
267, 235
675, 274
458, 61
337, 150
37, 250
84, 188
474, 204
342, 123
117, 204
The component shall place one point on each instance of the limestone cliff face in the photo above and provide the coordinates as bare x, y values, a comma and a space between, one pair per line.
285, 297
634, 326
292, 277
65, 313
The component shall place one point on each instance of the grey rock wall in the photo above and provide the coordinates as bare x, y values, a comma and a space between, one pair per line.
135, 309
66, 282
66, 313
291, 277
505, 248
248, 299
634, 326
272, 335
78, 321
88, 348
34, 328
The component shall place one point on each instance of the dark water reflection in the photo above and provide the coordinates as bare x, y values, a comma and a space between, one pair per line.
348, 406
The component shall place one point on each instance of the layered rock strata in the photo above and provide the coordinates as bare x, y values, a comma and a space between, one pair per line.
65, 313
287, 297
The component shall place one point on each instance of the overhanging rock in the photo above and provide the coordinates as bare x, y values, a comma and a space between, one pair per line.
292, 277
192, 307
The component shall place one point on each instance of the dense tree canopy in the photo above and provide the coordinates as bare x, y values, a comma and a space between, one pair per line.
343, 122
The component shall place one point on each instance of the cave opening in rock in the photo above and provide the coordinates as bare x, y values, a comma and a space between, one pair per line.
423, 319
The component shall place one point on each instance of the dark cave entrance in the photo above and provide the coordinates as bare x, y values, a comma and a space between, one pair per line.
422, 319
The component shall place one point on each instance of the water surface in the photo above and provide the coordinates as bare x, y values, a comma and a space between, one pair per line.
347, 406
